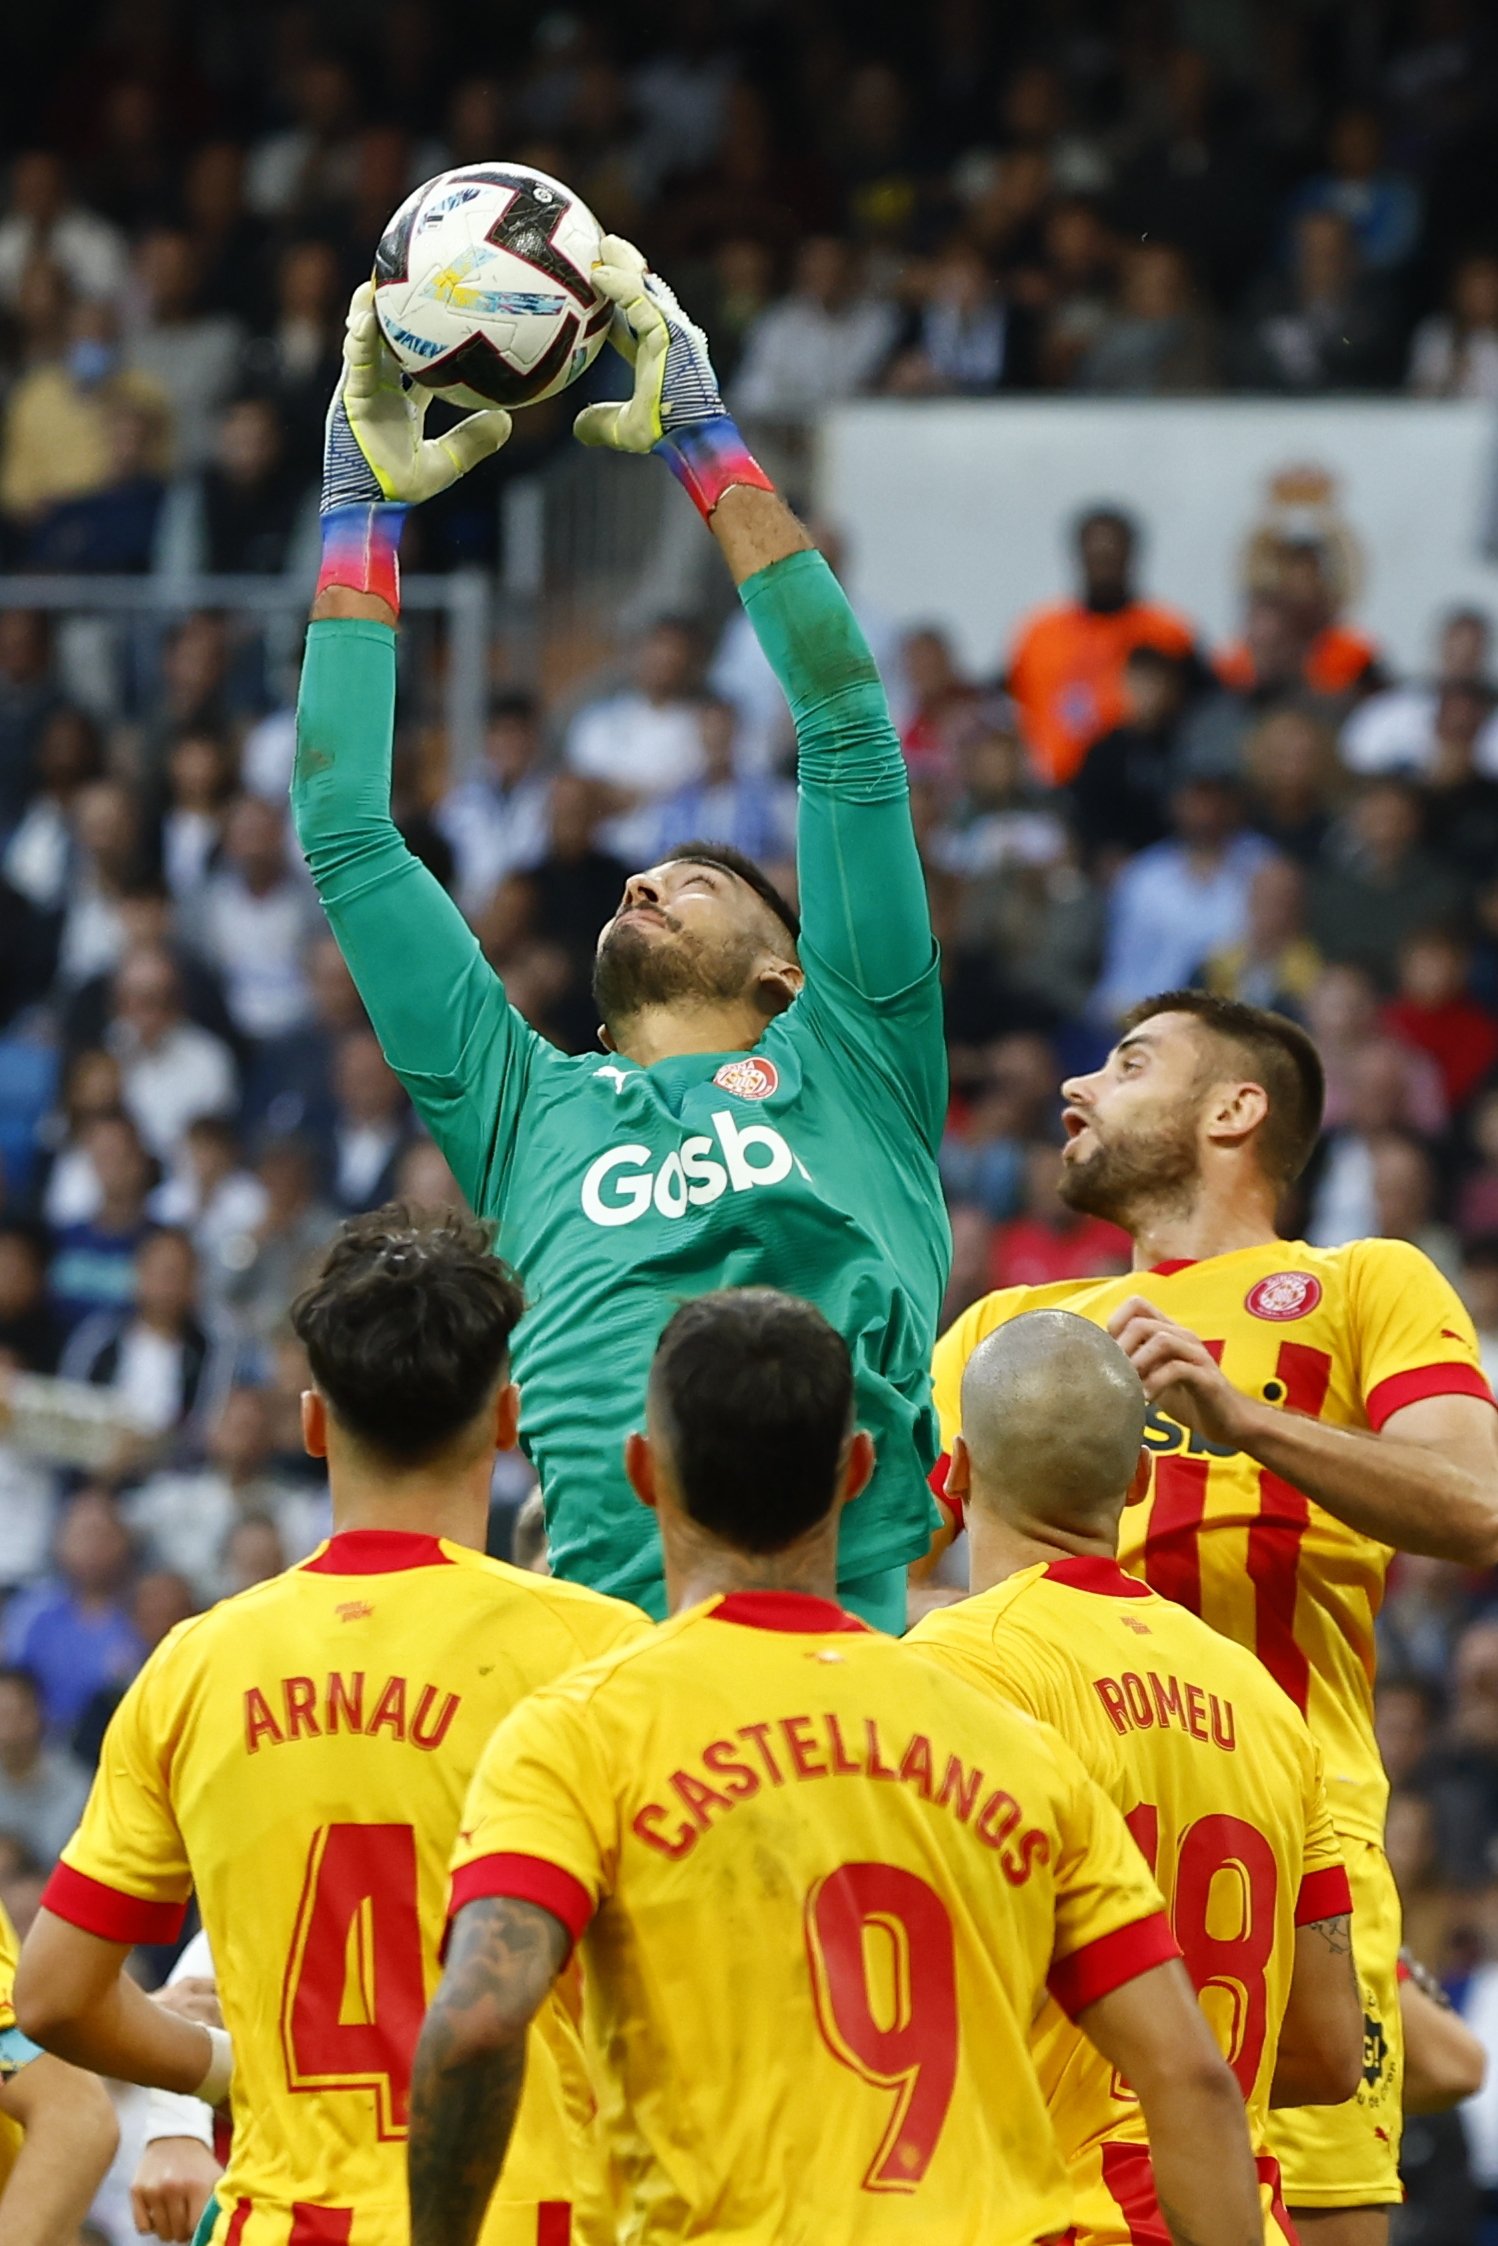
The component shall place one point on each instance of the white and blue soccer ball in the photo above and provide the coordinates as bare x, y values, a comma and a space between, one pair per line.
483, 286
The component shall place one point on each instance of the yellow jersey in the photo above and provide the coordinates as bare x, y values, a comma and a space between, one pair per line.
15, 2049
1349, 1335
1218, 1780
299, 1756
820, 1889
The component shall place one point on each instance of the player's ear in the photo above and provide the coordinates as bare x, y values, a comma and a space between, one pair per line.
1139, 1487
858, 1464
506, 1416
605, 1040
314, 1424
959, 1469
777, 983
639, 1468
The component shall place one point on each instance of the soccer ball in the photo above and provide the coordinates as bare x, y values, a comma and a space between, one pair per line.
483, 286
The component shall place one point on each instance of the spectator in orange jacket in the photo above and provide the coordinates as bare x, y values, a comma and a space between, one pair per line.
1336, 660
1067, 664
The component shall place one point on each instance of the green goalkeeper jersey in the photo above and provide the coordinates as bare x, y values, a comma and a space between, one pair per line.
808, 1164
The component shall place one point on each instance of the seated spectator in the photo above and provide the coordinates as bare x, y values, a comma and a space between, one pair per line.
252, 1554
560, 903
1157, 342
646, 739
60, 438
1118, 798
1378, 883
93, 1267
28, 696
248, 508
1190, 178
1275, 964
42, 1790
1332, 658
1477, 1283
1326, 325
1000, 819
1396, 730
289, 1084
107, 835
1461, 1774
30, 1337
1433, 1009
185, 1517
297, 358
215, 1200
1290, 767
111, 529
73, 1630
1076, 276
1343, 1013
155, 1358
1009, 1104
1405, 1705
1477, 1196
189, 353
1381, 206
41, 857
752, 811
273, 1261
202, 771
1066, 666
1047, 1241
91, 1087
1403, 1181
424, 1180
1379, 1097
1181, 900
195, 692
964, 338
823, 341
1454, 353
171, 1070
937, 693
494, 819
1461, 798
253, 922
371, 1124
45, 219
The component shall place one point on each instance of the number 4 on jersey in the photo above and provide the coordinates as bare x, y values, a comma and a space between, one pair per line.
355, 1987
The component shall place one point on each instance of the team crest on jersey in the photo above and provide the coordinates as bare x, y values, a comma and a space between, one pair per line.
1284, 1294
752, 1078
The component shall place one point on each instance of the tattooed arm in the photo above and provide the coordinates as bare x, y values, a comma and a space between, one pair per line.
470, 2062
1320, 2055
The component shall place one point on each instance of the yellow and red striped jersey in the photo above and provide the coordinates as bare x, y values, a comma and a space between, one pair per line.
1348, 1335
299, 1757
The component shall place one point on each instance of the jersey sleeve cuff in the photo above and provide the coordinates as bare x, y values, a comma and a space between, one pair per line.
1100, 1967
1323, 1894
524, 1879
109, 1912
1454, 1379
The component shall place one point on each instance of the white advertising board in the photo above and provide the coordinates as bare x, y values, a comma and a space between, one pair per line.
959, 513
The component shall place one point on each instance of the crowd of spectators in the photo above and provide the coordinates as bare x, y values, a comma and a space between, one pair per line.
1059, 197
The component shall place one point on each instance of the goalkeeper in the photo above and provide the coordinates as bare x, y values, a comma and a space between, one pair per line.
768, 1108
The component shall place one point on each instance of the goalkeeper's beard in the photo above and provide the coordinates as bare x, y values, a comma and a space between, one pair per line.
635, 970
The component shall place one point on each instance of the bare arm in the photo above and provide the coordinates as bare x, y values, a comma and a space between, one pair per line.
74, 1997
70, 2139
1428, 1482
1153, 2031
470, 2062
1320, 2054
755, 528
1443, 2060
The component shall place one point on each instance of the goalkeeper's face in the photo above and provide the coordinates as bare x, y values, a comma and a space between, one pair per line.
691, 935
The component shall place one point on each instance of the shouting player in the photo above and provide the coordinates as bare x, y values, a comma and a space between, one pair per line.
772, 1096
298, 1758
1217, 1776
818, 1886
1312, 1410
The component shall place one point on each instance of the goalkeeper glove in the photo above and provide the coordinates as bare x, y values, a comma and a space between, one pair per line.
376, 462
675, 408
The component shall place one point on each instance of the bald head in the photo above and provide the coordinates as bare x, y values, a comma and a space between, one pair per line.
1052, 1417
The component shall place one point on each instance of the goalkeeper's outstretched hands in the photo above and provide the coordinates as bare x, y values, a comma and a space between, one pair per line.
675, 407
377, 462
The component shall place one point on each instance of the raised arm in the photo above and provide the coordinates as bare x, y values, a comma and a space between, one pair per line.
437, 1007
863, 894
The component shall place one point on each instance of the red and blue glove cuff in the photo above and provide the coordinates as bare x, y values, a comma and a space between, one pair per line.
360, 551
708, 458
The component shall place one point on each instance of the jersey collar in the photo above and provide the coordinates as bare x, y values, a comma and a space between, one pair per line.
1171, 1263
377, 1552
800, 1612
1089, 1572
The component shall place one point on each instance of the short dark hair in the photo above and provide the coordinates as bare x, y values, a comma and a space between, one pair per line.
728, 860
755, 1390
1116, 518
1280, 1055
407, 1327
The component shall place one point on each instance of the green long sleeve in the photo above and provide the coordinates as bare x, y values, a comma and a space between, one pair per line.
437, 1006
863, 893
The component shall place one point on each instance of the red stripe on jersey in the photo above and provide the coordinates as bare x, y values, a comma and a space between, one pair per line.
1323, 1894
523, 1879
798, 1611
1172, 1555
1100, 1967
319, 2226
1089, 1572
237, 2221
107, 1911
1130, 2180
554, 2222
376, 1552
1399, 1389
1269, 2173
1276, 1536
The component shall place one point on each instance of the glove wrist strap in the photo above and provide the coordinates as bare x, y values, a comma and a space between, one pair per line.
360, 551
709, 458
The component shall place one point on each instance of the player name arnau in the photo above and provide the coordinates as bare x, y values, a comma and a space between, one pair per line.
351, 1702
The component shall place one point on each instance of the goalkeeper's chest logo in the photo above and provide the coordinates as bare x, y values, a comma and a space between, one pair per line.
626, 1181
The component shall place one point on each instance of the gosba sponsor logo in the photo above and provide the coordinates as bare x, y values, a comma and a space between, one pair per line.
625, 1181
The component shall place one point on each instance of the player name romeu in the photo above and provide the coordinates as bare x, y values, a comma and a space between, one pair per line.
793, 1749
352, 1703
1140, 1703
